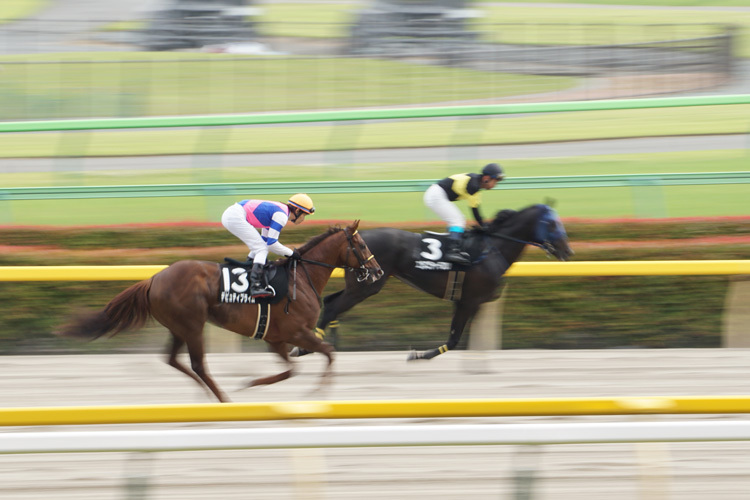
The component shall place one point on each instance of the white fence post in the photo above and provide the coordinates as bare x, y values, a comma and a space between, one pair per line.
138, 475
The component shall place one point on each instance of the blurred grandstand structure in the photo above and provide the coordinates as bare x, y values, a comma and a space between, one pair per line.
185, 24
407, 40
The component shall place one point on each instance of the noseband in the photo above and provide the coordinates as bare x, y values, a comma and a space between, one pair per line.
362, 272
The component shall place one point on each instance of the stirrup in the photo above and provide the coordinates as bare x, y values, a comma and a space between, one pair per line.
262, 292
457, 258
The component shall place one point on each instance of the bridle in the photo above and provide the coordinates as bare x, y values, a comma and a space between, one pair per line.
362, 272
543, 236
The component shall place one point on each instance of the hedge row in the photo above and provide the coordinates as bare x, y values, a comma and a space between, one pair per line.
555, 313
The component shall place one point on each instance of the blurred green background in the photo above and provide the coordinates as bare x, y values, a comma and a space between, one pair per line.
102, 73
119, 79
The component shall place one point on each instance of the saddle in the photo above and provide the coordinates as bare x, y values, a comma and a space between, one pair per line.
234, 282
429, 254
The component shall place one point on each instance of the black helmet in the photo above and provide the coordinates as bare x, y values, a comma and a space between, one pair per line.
493, 170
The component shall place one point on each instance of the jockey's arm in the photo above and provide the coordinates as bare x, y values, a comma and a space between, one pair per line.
477, 215
272, 233
280, 249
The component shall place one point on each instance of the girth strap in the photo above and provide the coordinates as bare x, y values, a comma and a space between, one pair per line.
261, 324
454, 285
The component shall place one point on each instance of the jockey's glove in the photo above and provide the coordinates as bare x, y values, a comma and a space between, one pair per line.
295, 255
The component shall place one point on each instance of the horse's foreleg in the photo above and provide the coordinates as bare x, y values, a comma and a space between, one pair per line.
328, 319
461, 316
337, 304
280, 349
312, 342
327, 316
429, 354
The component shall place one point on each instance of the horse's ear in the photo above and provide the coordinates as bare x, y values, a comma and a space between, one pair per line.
354, 225
550, 202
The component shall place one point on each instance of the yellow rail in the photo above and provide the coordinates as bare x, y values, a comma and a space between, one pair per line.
598, 268
217, 412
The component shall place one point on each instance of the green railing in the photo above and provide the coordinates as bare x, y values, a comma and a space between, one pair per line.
367, 114
645, 187
386, 186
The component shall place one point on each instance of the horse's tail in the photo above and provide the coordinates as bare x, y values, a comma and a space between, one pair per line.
129, 310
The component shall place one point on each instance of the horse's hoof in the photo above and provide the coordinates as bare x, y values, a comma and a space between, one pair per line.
296, 352
412, 356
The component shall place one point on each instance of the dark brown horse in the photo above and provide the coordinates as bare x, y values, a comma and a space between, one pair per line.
184, 296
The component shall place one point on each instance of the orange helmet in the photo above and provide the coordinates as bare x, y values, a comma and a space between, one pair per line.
303, 202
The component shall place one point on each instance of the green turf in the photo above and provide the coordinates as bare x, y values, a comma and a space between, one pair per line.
11, 10
511, 129
672, 201
47, 86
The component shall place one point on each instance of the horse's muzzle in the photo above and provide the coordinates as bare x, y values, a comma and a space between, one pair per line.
559, 250
564, 254
371, 275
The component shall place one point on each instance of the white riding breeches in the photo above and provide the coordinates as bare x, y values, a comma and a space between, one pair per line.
437, 200
234, 220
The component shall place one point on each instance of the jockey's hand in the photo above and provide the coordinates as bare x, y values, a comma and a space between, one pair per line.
483, 227
295, 255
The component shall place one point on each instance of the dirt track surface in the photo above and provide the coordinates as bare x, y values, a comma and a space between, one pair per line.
682, 471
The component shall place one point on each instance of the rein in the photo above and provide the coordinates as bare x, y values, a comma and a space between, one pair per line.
546, 246
350, 248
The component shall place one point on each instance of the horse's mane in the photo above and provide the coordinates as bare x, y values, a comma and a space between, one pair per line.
317, 239
501, 218
507, 216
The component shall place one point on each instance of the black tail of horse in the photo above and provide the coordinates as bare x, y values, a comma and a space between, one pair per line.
129, 310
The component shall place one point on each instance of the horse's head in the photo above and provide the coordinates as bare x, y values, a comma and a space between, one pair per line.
358, 257
550, 234
537, 225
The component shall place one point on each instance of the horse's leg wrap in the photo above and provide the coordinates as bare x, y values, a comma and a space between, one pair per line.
427, 354
297, 352
455, 336
333, 326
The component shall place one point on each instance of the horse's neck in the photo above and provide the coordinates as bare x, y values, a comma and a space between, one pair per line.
511, 249
321, 253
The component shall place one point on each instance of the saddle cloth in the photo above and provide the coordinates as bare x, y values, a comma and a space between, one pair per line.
431, 249
234, 283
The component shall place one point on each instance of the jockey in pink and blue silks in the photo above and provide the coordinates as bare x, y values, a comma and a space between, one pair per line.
242, 219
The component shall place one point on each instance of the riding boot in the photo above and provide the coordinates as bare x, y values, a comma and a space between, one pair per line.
453, 253
257, 286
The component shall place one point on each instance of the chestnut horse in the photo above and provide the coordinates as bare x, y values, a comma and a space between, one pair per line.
185, 295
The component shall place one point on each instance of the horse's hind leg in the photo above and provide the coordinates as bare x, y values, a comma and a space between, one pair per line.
197, 353
279, 348
176, 346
